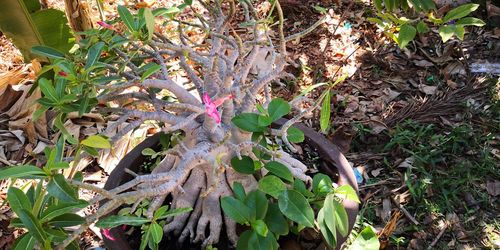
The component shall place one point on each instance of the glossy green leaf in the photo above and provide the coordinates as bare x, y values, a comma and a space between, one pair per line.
264, 120
23, 171
259, 242
295, 135
295, 207
150, 22
26, 241
422, 27
33, 225
18, 200
460, 11
117, 220
470, 21
55, 210
47, 52
66, 220
244, 166
330, 238
175, 212
298, 185
243, 240
33, 27
239, 191
460, 31
406, 34
127, 18
256, 201
279, 170
156, 232
347, 192
322, 184
94, 54
278, 108
275, 220
47, 89
248, 122
272, 185
235, 209
96, 141
366, 240
56, 235
153, 68
335, 216
446, 32
324, 118
59, 188
260, 227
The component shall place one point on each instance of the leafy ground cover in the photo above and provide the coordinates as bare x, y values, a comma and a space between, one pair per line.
419, 127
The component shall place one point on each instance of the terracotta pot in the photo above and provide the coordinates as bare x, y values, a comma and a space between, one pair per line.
328, 151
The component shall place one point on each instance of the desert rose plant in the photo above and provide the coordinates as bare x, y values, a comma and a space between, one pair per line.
227, 164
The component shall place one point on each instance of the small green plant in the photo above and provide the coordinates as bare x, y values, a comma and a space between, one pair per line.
402, 27
282, 203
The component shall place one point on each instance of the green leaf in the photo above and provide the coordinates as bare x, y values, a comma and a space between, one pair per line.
153, 68
148, 152
460, 31
256, 201
298, 185
446, 32
406, 34
56, 235
235, 209
96, 141
156, 232
150, 22
59, 188
243, 240
295, 135
127, 18
18, 200
23, 171
33, 225
278, 108
117, 220
55, 210
32, 27
378, 4
259, 242
324, 118
160, 211
311, 88
47, 52
275, 220
169, 12
470, 21
175, 212
279, 170
244, 166
94, 54
422, 27
460, 11
264, 120
295, 207
272, 185
248, 122
366, 240
322, 184
347, 192
239, 191
66, 220
260, 227
47, 89
335, 216
330, 238
26, 241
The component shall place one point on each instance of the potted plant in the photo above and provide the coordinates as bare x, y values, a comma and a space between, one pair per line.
233, 158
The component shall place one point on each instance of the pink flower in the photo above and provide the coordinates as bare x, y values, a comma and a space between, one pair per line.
211, 107
62, 73
105, 25
106, 232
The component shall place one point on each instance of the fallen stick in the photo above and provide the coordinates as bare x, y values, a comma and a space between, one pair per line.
407, 214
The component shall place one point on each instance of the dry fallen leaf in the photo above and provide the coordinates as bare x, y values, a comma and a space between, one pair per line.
428, 90
493, 187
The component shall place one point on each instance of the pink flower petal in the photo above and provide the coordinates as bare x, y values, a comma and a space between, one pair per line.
105, 25
220, 101
211, 108
107, 233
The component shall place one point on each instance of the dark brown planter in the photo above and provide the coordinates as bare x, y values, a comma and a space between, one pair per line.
328, 151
